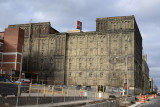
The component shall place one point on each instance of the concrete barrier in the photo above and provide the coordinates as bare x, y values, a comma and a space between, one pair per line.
11, 101
113, 103
131, 99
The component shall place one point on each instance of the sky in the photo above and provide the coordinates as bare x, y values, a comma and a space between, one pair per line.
63, 14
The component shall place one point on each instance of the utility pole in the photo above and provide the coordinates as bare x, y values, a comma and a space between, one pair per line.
11, 73
20, 77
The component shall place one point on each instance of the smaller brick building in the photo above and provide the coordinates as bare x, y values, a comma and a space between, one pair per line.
11, 44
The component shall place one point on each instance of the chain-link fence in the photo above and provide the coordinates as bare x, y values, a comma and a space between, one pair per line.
18, 94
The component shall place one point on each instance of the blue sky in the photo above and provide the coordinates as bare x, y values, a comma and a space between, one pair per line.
63, 13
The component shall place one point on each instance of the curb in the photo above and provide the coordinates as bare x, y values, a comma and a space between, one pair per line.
135, 105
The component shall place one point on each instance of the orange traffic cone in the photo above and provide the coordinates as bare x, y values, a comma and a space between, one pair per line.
143, 99
80, 93
139, 99
153, 96
140, 95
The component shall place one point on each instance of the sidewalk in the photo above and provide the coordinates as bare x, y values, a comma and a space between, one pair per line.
139, 103
82, 102
136, 105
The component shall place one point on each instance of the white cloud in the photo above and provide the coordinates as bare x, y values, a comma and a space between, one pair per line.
140, 7
155, 69
40, 16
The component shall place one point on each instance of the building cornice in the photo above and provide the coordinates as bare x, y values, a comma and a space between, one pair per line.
11, 53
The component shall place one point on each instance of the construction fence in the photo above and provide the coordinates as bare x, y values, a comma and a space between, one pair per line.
27, 94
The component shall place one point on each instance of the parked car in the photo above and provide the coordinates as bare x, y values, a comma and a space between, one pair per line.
158, 94
100, 88
7, 87
79, 87
65, 86
88, 88
58, 88
24, 84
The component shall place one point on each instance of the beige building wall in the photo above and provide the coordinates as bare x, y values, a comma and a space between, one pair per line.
150, 85
99, 58
145, 77
86, 58
44, 52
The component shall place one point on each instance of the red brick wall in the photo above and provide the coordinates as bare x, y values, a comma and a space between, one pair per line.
52, 31
7, 70
18, 67
9, 66
11, 40
18, 58
20, 40
1, 40
9, 58
2, 34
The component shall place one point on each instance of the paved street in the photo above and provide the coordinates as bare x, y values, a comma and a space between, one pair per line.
153, 103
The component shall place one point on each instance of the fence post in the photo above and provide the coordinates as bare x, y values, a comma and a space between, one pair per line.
30, 89
83, 94
103, 91
62, 91
44, 90
52, 93
38, 95
80, 92
18, 93
96, 92
64, 96
68, 91
89, 91
75, 92
19, 90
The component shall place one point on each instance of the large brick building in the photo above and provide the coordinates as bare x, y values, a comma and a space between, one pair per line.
11, 42
107, 56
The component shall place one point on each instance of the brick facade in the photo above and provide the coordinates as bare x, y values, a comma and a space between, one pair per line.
11, 54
